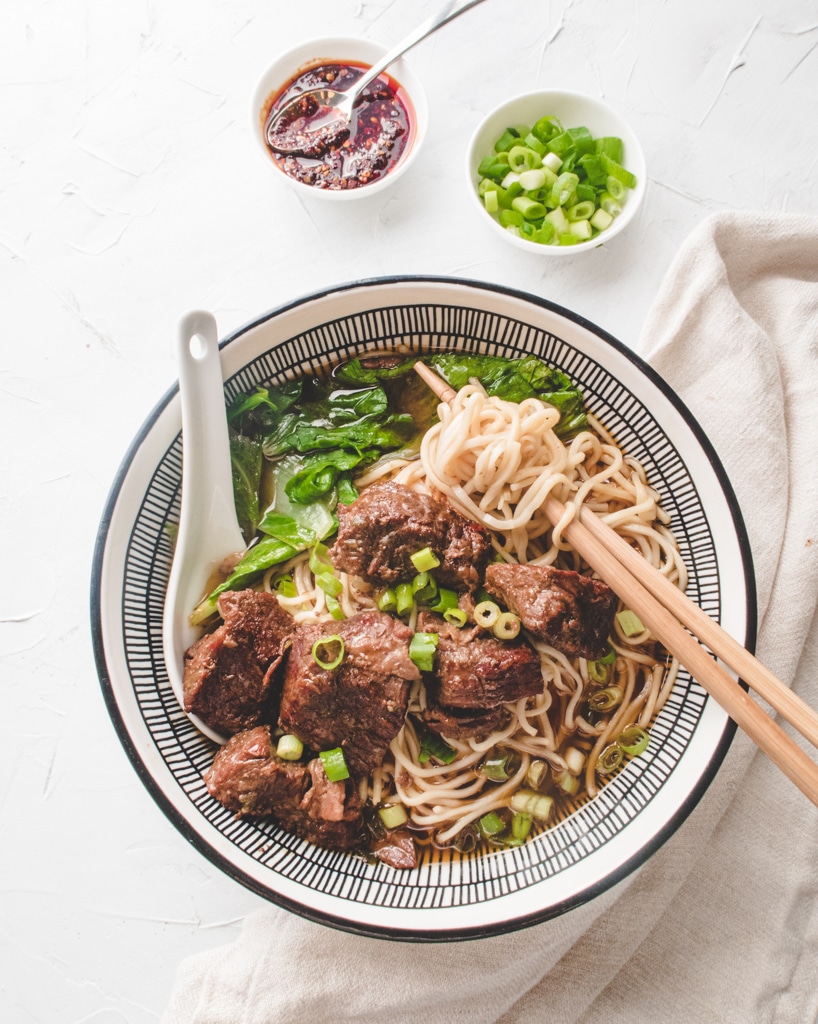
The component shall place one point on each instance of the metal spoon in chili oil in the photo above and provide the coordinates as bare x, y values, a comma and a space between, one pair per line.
312, 121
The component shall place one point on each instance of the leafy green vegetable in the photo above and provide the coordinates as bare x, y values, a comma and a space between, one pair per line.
268, 552
245, 461
515, 380
297, 434
354, 372
269, 403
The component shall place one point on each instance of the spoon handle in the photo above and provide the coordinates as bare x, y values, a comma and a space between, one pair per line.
448, 13
207, 511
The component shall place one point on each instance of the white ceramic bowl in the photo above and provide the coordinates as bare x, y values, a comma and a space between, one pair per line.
337, 49
446, 897
573, 110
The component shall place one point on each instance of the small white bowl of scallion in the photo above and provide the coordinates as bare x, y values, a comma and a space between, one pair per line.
556, 172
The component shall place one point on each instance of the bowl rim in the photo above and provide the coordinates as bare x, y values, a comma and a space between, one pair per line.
638, 165
287, 65
505, 926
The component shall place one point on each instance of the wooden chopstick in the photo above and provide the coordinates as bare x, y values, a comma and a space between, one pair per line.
666, 611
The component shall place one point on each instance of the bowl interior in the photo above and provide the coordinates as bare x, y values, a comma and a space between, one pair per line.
316, 51
573, 110
449, 895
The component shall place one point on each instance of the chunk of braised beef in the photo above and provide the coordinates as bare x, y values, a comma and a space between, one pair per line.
388, 523
228, 674
475, 670
397, 849
247, 777
461, 723
570, 612
361, 704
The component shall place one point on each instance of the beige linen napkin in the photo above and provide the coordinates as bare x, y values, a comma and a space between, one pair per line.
721, 925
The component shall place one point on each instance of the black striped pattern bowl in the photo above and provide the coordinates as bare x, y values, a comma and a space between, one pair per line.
448, 896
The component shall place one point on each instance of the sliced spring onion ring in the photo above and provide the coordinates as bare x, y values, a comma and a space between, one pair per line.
387, 601
424, 560
630, 623
393, 815
605, 700
328, 652
486, 613
495, 767
335, 764
289, 747
521, 824
422, 650
610, 759
432, 745
538, 805
404, 598
633, 741
536, 774
491, 824
455, 616
507, 626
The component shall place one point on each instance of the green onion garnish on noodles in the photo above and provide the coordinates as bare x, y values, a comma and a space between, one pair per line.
328, 652
496, 767
455, 616
486, 613
610, 759
507, 626
387, 601
634, 741
285, 586
424, 560
605, 700
289, 747
444, 600
521, 824
433, 746
538, 805
393, 815
334, 607
422, 650
335, 764
424, 588
491, 824
404, 598
630, 623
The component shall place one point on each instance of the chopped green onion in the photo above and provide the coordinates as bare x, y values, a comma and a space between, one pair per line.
486, 613
425, 559
536, 774
609, 657
538, 805
568, 783
329, 584
334, 607
599, 672
319, 559
520, 824
424, 588
574, 760
630, 623
404, 598
393, 815
432, 745
387, 601
455, 616
289, 747
507, 626
491, 824
335, 764
496, 767
286, 587
610, 759
551, 167
328, 652
445, 599
605, 700
634, 741
422, 650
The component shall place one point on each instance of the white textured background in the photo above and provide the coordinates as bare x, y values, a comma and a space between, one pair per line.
131, 191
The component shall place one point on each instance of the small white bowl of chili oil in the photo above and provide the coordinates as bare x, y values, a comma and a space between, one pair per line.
388, 127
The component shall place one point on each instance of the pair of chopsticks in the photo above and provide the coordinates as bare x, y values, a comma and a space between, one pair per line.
677, 622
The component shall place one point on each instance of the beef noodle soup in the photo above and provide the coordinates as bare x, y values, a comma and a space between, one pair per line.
409, 653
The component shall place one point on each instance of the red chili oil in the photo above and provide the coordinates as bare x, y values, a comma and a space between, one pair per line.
380, 131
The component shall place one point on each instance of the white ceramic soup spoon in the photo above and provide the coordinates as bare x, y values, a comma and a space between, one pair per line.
208, 529
326, 112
